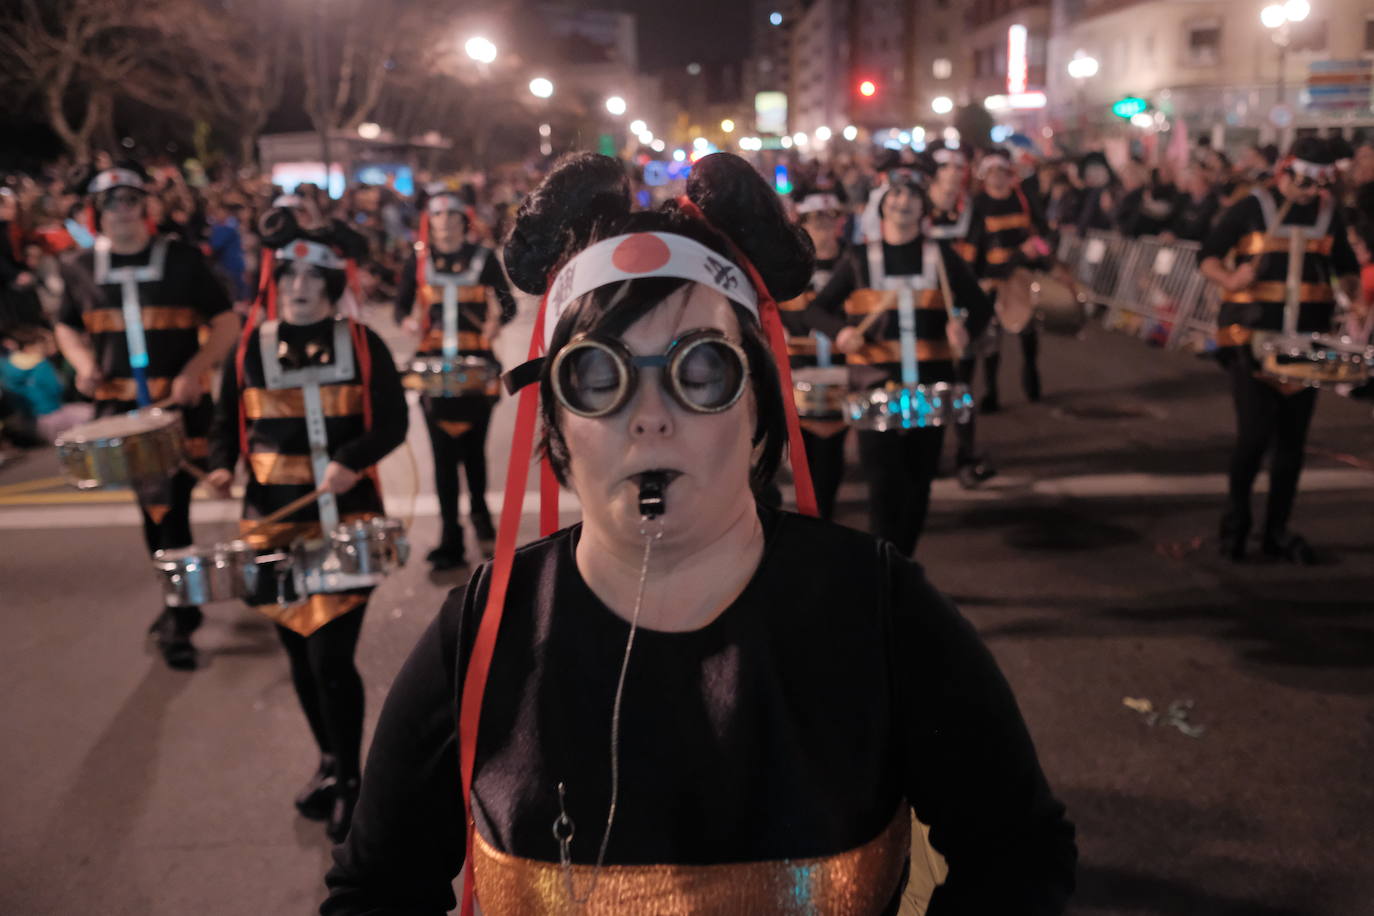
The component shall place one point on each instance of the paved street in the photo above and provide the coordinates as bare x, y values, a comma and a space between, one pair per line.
1088, 566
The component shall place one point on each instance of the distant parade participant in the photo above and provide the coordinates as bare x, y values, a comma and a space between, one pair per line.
1256, 231
822, 215
1007, 233
132, 313
453, 294
950, 221
263, 418
899, 464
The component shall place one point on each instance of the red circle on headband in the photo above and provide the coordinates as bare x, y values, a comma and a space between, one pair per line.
640, 254
302, 250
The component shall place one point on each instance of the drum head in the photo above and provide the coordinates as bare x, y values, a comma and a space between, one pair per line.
119, 426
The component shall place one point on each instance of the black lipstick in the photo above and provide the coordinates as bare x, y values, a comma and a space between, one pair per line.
651, 500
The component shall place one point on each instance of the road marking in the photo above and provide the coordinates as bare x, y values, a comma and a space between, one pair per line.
25, 486
1005, 488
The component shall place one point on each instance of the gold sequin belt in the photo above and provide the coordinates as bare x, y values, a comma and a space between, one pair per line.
859, 882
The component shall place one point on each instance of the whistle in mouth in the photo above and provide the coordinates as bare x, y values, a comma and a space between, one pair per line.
651, 500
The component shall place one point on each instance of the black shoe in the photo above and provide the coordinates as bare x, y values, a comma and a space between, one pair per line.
1031, 382
481, 524
989, 404
446, 556
1232, 546
316, 798
171, 633
971, 476
1290, 548
341, 814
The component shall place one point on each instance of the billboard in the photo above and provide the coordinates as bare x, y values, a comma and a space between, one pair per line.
770, 112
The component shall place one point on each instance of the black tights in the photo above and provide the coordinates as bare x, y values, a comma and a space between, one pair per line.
329, 687
1265, 416
470, 449
171, 531
900, 467
825, 455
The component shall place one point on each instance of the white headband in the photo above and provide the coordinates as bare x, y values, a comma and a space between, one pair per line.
115, 178
945, 156
311, 253
1313, 170
991, 161
639, 255
289, 200
814, 203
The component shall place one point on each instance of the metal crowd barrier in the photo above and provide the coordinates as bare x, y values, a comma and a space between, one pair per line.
1146, 287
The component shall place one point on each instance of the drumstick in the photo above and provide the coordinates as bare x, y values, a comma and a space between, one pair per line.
871, 317
284, 511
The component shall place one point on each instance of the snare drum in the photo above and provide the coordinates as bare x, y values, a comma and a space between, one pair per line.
444, 377
1314, 360
356, 554
897, 407
194, 575
819, 393
122, 450
1058, 306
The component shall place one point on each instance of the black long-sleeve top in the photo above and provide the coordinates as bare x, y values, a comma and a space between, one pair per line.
793, 725
456, 262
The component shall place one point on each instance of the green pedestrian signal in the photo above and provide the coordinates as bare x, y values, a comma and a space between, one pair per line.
1129, 107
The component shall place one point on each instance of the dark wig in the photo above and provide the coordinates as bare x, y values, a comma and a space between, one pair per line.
277, 228
586, 198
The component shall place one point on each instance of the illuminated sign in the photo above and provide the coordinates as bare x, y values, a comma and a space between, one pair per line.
1129, 107
770, 112
1020, 100
1017, 69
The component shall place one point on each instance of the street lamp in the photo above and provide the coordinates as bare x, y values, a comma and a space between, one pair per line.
942, 104
850, 132
615, 105
1276, 18
822, 133
638, 127
480, 49
541, 88
1082, 68
727, 125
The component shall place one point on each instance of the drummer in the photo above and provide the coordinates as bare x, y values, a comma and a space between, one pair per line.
161, 360
692, 703
364, 415
821, 214
1007, 233
1268, 412
950, 221
899, 464
457, 425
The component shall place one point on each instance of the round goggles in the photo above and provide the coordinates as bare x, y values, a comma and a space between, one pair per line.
703, 371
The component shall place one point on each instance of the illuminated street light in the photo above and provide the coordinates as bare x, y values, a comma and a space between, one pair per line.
918, 135
775, 18
1273, 16
658, 146
1276, 18
1143, 119
541, 88
800, 139
615, 105
1297, 10
786, 142
545, 130
480, 49
822, 134
645, 137
679, 155
942, 104
868, 89
638, 127
701, 143
728, 126
851, 132
1082, 66
369, 131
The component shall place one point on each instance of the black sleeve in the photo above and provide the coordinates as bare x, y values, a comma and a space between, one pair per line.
1343, 260
224, 431
1234, 223
968, 295
495, 278
78, 288
970, 768
406, 289
978, 239
825, 311
405, 845
390, 414
208, 295
1128, 214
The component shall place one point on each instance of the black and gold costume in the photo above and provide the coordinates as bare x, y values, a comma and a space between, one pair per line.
823, 438
769, 759
1000, 226
174, 309
457, 426
900, 464
1265, 414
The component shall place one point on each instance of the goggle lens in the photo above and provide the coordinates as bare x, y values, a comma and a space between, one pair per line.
708, 375
591, 379
703, 371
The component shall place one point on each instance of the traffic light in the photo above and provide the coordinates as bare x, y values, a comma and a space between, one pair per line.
868, 89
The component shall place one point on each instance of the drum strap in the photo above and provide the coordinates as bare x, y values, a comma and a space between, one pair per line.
450, 283
823, 357
128, 279
1292, 294
906, 287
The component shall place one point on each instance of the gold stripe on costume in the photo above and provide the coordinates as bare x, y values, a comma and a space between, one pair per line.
1233, 335
865, 301
1006, 221
1259, 243
890, 351
197, 447
801, 346
125, 389
797, 304
155, 318
467, 341
314, 612
289, 403
274, 468
858, 882
282, 534
1000, 255
1277, 291
467, 295
965, 250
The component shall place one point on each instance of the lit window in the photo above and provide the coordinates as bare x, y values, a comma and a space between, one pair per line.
941, 69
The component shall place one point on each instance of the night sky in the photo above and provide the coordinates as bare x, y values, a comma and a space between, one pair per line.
673, 34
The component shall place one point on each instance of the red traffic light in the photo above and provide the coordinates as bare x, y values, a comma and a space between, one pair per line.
868, 89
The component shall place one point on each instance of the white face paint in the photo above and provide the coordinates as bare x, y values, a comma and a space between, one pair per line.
301, 294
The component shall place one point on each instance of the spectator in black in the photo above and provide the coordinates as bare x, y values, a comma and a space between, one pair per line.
1101, 191
1198, 205
1149, 209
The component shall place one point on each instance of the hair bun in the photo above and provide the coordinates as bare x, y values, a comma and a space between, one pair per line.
739, 203
585, 197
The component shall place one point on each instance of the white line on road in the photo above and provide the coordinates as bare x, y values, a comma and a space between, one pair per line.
1005, 488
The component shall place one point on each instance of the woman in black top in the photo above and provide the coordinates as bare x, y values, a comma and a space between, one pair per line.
698, 704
